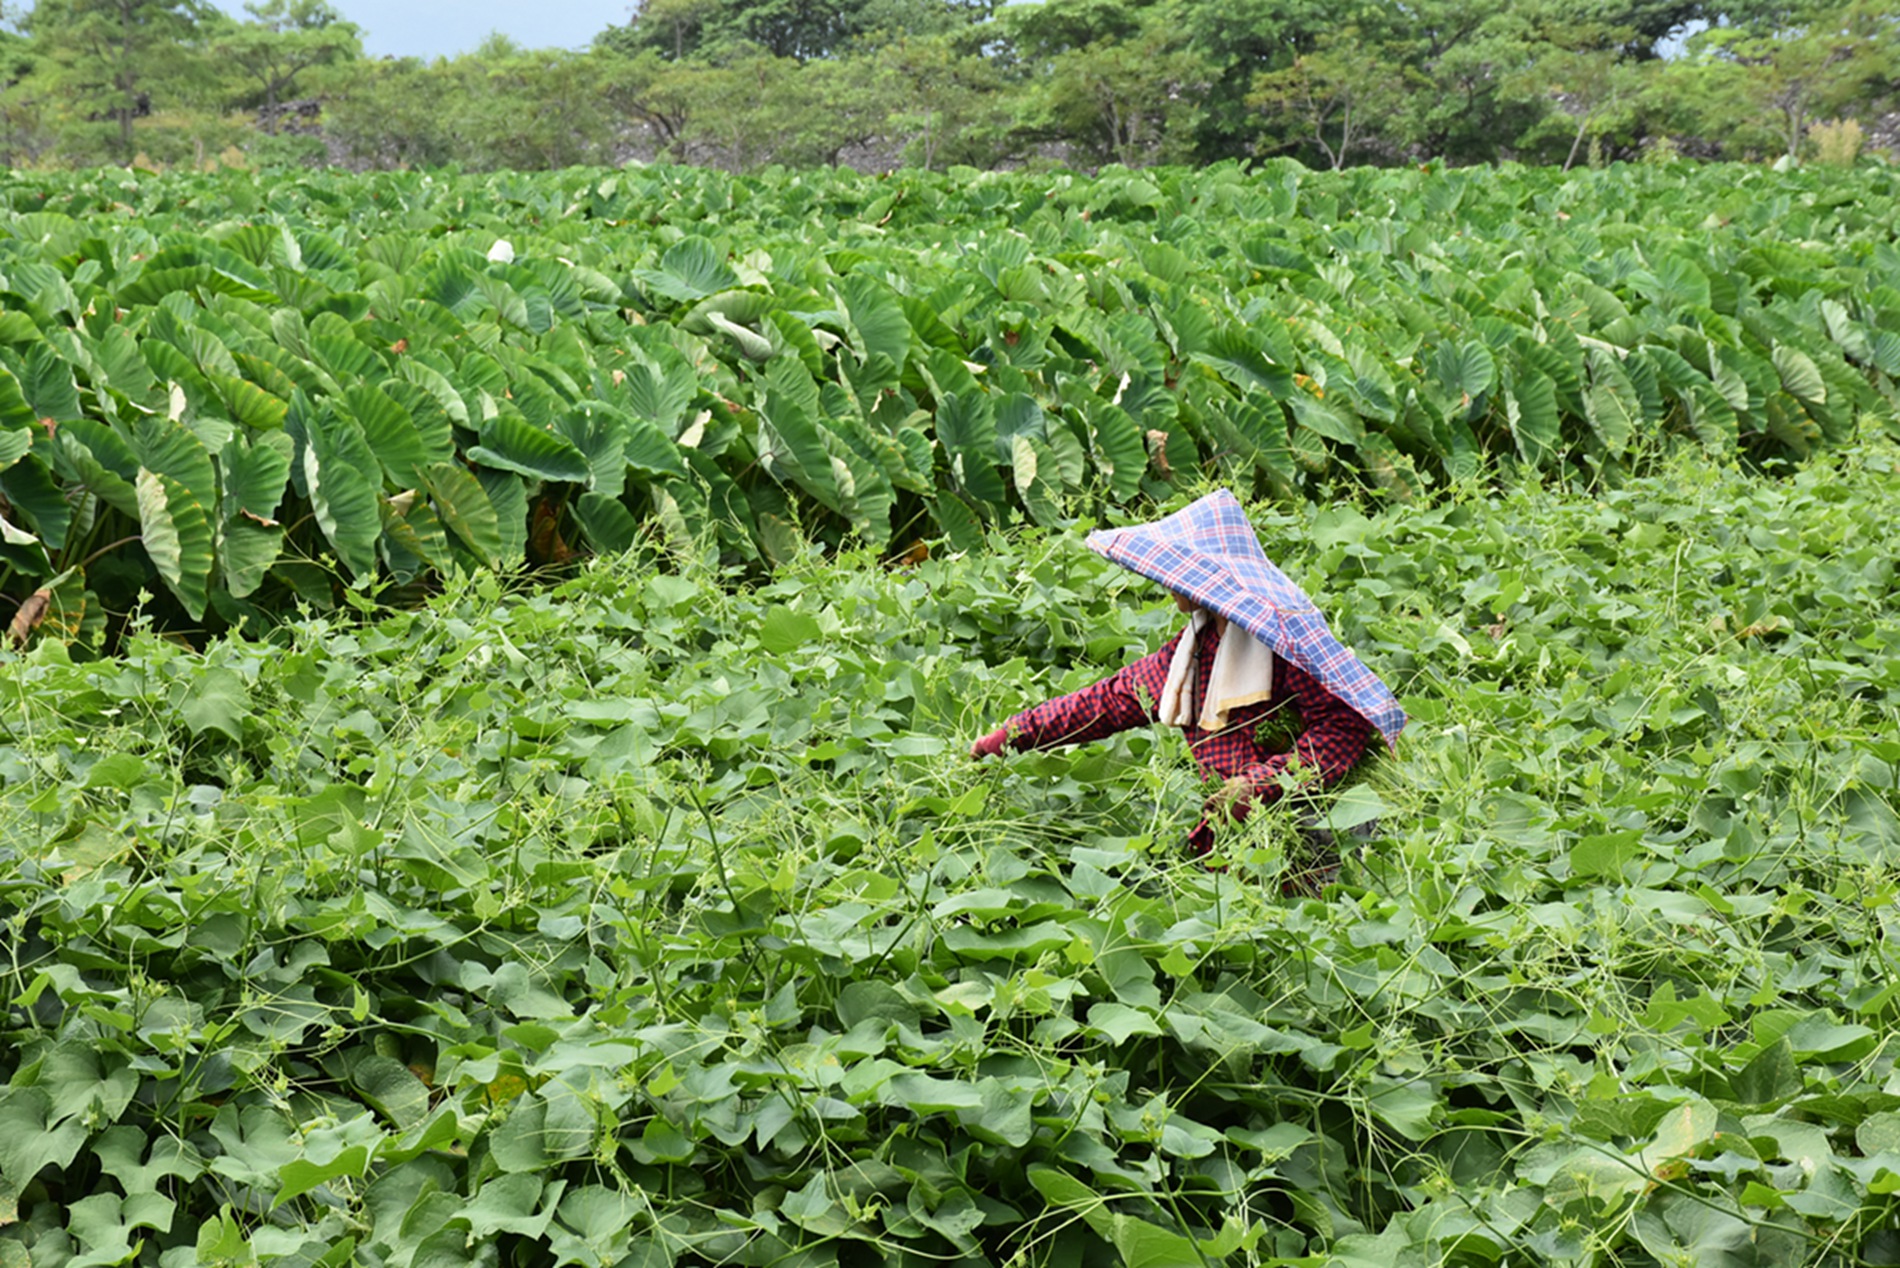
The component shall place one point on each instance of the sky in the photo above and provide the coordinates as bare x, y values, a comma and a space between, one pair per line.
443, 28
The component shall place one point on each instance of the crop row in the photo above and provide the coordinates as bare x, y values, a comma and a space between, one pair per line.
641, 920
241, 391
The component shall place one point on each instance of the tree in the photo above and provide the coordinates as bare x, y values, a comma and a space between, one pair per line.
652, 91
1810, 62
1245, 39
673, 29
739, 110
946, 105
722, 30
283, 39
1473, 97
1130, 101
105, 59
1338, 95
1642, 25
1044, 32
1586, 73
24, 134
392, 112
529, 109
1115, 77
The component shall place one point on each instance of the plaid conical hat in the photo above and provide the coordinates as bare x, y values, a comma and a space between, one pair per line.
1209, 552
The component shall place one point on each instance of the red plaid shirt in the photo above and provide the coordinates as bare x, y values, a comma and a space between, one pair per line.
1332, 735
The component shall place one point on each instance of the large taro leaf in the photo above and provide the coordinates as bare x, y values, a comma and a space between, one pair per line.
450, 282
966, 428
929, 326
255, 473
1711, 418
511, 308
246, 552
1256, 428
508, 494
172, 449
1327, 417
512, 443
206, 350
1611, 403
737, 307
877, 318
1886, 353
791, 443
14, 445
752, 345
343, 478
872, 497
91, 454
958, 522
15, 412
392, 435
432, 381
250, 404
119, 365
610, 527
691, 269
1675, 283
1119, 447
46, 380
335, 347
187, 268
649, 451
464, 506
1239, 358
176, 531
1465, 372
1531, 410
601, 434
1800, 377
32, 491
414, 539
659, 395
1789, 424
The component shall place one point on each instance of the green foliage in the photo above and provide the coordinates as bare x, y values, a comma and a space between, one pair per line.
746, 85
103, 61
645, 918
245, 393
283, 39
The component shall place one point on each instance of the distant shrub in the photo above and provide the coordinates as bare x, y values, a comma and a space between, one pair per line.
1662, 149
1837, 142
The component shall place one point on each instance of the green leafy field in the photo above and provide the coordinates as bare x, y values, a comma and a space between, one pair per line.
654, 919
244, 391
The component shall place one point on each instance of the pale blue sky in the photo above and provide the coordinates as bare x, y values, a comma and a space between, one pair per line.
442, 28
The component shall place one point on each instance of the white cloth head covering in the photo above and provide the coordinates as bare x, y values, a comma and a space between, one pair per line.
1242, 674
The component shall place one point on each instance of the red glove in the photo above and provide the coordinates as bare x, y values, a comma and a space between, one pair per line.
990, 745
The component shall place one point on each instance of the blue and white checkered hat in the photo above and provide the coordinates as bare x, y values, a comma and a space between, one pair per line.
1210, 553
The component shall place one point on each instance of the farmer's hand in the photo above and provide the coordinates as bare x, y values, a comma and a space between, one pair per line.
1232, 800
990, 745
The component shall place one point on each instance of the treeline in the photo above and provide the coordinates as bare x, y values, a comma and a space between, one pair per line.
930, 83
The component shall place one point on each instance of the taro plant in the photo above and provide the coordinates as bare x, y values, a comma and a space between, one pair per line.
239, 395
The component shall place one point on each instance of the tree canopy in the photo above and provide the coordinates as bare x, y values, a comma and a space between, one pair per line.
741, 83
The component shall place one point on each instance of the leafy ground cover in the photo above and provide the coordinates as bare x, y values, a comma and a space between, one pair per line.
235, 390
653, 920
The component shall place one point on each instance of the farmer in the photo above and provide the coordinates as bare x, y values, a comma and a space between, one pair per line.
1266, 695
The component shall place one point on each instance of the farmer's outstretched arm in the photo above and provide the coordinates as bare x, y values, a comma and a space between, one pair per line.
1333, 737
1124, 699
